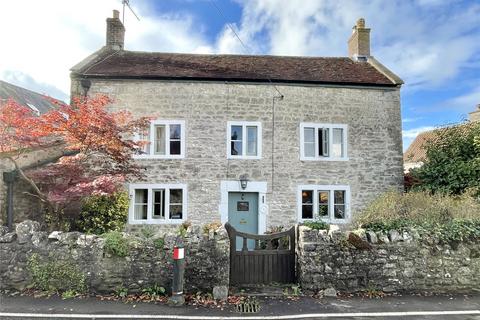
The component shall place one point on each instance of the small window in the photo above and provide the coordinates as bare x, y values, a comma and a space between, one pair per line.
244, 140
157, 203
328, 203
323, 141
164, 139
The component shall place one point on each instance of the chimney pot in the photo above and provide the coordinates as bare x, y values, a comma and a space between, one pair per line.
116, 14
359, 42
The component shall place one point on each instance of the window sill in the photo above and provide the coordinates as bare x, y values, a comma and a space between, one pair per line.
323, 159
329, 221
244, 157
147, 157
160, 222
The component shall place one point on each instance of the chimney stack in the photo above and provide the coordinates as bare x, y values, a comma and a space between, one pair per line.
359, 42
115, 32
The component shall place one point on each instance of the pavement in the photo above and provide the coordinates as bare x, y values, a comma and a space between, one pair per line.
461, 307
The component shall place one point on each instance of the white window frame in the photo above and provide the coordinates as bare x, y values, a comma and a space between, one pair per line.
329, 126
166, 123
330, 188
151, 188
244, 125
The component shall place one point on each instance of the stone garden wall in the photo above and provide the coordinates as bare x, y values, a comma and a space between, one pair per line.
386, 262
207, 259
394, 262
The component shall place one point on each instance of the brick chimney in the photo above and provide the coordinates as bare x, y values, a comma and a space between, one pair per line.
115, 32
359, 42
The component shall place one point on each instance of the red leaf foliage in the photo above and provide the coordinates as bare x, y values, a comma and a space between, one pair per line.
100, 140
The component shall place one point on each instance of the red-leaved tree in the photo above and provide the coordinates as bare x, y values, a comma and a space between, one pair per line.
99, 145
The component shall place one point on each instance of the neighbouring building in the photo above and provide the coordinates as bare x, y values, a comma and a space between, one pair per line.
415, 155
24, 206
256, 140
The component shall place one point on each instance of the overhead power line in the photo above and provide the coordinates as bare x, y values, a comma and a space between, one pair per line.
246, 50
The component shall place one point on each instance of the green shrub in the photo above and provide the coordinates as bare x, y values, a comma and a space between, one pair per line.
121, 292
116, 243
316, 225
452, 163
154, 291
56, 276
103, 213
159, 243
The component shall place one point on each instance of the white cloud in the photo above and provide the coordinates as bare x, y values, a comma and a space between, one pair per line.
466, 102
427, 43
42, 40
412, 133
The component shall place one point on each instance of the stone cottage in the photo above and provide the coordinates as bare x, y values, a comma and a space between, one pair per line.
255, 140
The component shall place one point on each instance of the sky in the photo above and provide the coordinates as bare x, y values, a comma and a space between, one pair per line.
433, 45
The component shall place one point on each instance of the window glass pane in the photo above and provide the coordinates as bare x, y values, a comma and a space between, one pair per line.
176, 211
236, 149
176, 196
339, 211
236, 133
309, 135
309, 149
252, 141
141, 196
175, 147
307, 211
323, 203
140, 212
140, 205
307, 204
144, 138
158, 204
175, 131
159, 139
339, 196
337, 146
307, 196
323, 142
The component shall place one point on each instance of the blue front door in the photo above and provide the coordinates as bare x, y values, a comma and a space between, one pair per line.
243, 214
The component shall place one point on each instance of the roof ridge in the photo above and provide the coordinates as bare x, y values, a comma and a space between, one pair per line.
234, 55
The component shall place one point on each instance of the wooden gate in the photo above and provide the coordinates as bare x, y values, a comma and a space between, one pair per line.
272, 259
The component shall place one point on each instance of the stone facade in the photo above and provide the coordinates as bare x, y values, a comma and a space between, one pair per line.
207, 259
372, 115
394, 262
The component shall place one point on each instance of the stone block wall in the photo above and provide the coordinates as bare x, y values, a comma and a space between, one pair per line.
207, 259
394, 263
371, 114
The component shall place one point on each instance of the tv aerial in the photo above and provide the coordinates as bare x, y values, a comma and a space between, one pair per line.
127, 4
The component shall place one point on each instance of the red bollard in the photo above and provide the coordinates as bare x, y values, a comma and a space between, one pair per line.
177, 297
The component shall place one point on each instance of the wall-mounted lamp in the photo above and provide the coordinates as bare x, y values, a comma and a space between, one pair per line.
243, 181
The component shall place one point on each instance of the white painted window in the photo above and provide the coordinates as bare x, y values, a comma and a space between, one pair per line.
164, 139
320, 141
157, 203
330, 203
244, 140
